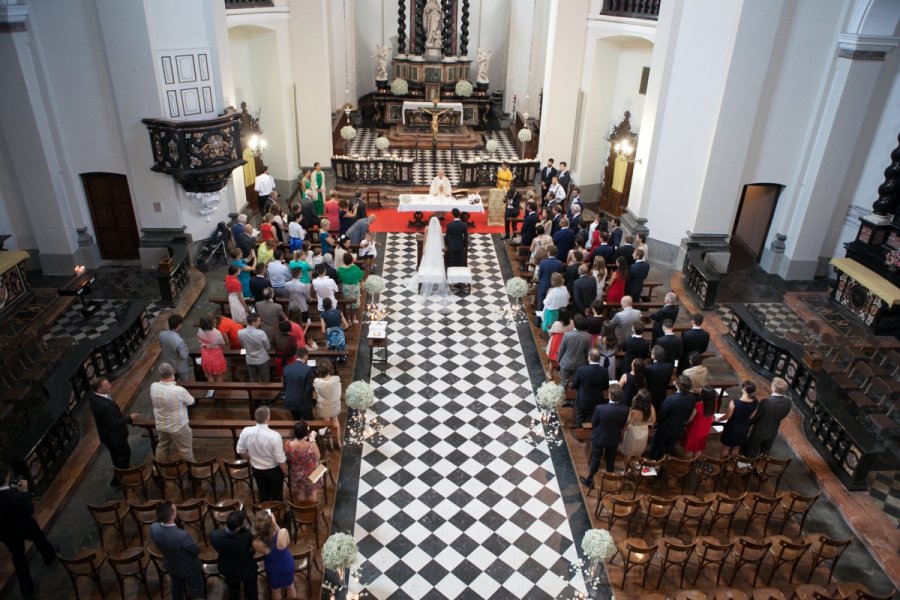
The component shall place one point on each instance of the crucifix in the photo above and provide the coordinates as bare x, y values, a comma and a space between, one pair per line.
434, 127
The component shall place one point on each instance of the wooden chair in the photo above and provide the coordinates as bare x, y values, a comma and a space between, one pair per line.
767, 468
637, 473
823, 548
219, 511
134, 478
156, 558
307, 514
131, 564
690, 595
747, 551
793, 504
303, 561
657, 509
812, 591
635, 552
738, 467
275, 506
193, 513
620, 508
144, 515
858, 591
710, 551
205, 471
238, 472
768, 594
723, 507
86, 563
174, 471
708, 468
678, 469
209, 567
111, 514
760, 507
692, 509
729, 594
329, 476
673, 553
610, 483
785, 552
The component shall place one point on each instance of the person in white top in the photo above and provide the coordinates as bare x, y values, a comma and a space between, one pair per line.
264, 448
440, 185
556, 193
170, 404
324, 286
264, 186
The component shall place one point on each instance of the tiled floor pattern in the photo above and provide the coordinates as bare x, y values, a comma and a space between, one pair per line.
457, 496
425, 168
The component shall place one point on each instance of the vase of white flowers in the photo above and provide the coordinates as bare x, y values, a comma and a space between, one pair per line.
399, 87
382, 143
599, 547
338, 554
463, 88
347, 134
548, 398
524, 136
360, 397
491, 146
374, 286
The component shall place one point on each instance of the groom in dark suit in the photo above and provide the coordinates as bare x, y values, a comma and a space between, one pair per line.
180, 553
457, 240
767, 419
112, 425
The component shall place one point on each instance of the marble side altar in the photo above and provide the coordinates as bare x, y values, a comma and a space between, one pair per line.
13, 282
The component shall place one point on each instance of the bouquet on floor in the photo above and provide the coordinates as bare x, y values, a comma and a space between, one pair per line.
338, 554
492, 146
382, 143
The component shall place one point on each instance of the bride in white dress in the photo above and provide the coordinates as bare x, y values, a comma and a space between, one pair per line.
430, 281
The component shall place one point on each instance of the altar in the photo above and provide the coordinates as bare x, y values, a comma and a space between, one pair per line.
13, 282
413, 116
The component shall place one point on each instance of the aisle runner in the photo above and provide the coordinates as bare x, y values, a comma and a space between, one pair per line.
458, 499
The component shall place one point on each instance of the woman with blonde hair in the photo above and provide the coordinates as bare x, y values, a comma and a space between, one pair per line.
327, 385
599, 271
557, 298
273, 542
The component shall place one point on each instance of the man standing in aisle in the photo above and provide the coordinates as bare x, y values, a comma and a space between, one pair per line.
767, 419
180, 551
264, 185
265, 450
547, 175
112, 425
170, 404
174, 349
457, 240
255, 341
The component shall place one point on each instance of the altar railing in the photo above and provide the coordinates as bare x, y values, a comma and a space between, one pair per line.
175, 277
484, 172
372, 169
700, 279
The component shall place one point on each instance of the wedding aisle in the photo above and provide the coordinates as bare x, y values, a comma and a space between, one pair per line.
458, 497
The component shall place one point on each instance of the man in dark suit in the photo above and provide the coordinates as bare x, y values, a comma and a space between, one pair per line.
573, 350
546, 268
584, 290
606, 251
571, 272
18, 525
693, 340
635, 347
575, 219
591, 381
575, 200
557, 216
233, 543
298, 387
457, 240
259, 282
112, 425
607, 423
637, 274
513, 202
626, 249
669, 312
564, 176
767, 419
669, 342
671, 418
658, 375
615, 236
528, 224
564, 240
246, 242
180, 552
308, 215
547, 175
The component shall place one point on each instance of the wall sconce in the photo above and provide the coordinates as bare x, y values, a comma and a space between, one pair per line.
624, 149
257, 145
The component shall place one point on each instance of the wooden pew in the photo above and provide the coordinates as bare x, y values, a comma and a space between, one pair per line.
236, 360
253, 394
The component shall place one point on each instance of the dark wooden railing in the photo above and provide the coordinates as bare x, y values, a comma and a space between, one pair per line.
248, 3
44, 444
484, 172
847, 447
701, 280
372, 169
172, 283
638, 9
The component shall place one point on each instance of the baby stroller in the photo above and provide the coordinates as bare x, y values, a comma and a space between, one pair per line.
214, 248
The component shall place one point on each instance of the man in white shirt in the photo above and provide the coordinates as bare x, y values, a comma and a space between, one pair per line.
556, 194
264, 449
256, 344
264, 186
440, 185
324, 286
279, 274
170, 404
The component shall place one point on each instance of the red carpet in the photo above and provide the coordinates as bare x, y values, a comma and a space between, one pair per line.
392, 221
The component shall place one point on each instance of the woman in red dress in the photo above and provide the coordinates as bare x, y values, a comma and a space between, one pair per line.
697, 431
212, 342
617, 283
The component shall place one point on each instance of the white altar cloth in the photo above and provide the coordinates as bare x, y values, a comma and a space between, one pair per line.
424, 202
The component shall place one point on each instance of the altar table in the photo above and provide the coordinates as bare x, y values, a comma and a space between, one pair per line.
419, 203
456, 107
13, 282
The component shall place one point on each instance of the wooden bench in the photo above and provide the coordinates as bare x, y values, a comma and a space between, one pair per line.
343, 303
253, 394
236, 360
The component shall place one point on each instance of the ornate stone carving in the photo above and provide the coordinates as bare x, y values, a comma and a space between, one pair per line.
206, 203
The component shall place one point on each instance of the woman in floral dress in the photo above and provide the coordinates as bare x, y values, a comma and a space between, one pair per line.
303, 457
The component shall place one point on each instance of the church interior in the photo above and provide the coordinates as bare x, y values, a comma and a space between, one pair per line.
659, 357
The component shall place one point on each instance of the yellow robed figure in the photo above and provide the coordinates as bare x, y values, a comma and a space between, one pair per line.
504, 177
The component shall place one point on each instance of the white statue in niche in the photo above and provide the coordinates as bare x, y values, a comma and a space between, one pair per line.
434, 21
484, 59
381, 56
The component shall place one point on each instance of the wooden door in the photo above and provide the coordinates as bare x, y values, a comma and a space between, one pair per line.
113, 214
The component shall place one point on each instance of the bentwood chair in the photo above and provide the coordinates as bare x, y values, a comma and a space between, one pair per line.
785, 552
131, 564
747, 551
86, 563
636, 552
673, 553
824, 549
711, 551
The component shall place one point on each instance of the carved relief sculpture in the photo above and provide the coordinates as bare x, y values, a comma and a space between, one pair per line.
381, 56
484, 59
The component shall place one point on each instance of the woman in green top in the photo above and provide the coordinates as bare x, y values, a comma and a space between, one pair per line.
350, 276
301, 261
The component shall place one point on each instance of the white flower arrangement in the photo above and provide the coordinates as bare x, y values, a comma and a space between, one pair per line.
549, 395
492, 146
375, 284
464, 88
516, 287
382, 143
524, 135
339, 551
399, 87
348, 132
598, 545
360, 396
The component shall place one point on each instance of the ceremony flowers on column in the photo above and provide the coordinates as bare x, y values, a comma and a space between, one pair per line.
348, 132
491, 147
360, 397
516, 288
338, 554
548, 397
382, 143
374, 285
524, 136
464, 89
599, 547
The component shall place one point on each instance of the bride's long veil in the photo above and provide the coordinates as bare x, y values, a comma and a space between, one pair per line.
430, 281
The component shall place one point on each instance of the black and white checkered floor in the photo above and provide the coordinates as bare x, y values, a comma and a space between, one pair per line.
73, 323
425, 169
780, 320
457, 496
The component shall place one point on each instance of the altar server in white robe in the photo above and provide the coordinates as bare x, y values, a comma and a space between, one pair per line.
440, 185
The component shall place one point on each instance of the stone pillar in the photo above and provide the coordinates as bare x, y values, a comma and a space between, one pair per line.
562, 78
29, 136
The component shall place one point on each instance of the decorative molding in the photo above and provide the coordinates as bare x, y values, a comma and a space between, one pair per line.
13, 17
206, 203
186, 83
865, 47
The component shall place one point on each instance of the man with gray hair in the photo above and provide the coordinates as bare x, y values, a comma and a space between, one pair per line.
170, 404
669, 312
264, 448
357, 232
767, 419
